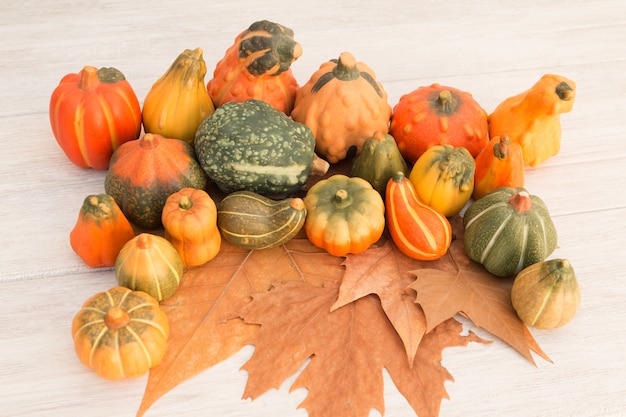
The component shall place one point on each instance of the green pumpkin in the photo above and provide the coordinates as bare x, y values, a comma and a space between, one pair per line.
378, 161
508, 230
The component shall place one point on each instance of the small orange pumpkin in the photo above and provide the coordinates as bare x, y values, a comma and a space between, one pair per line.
499, 164
258, 66
100, 232
418, 231
438, 115
343, 105
532, 118
190, 221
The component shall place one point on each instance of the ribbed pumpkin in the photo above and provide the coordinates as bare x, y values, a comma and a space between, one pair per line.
120, 333
417, 230
190, 221
546, 295
508, 230
149, 263
499, 164
143, 173
258, 66
252, 221
101, 231
378, 161
343, 104
438, 115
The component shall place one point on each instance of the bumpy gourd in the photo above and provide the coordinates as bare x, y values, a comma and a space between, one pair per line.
444, 178
178, 101
438, 115
546, 295
499, 164
417, 230
344, 215
508, 230
101, 231
258, 66
533, 118
149, 263
343, 104
189, 218
120, 333
252, 221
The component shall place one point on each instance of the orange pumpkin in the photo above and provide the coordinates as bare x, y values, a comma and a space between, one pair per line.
532, 118
418, 231
499, 164
438, 115
190, 221
100, 232
257, 66
92, 113
120, 333
343, 105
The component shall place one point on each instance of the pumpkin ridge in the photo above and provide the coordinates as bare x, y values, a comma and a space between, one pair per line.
322, 81
96, 344
371, 81
493, 239
483, 212
141, 344
150, 323
522, 258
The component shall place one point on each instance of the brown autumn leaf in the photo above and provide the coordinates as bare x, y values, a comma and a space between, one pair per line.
348, 349
204, 327
474, 292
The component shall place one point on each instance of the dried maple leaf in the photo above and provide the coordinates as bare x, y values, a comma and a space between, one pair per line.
384, 270
474, 292
204, 327
348, 349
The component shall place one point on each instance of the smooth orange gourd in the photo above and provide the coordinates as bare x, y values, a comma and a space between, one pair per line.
418, 231
343, 105
100, 232
532, 118
499, 164
258, 66
190, 221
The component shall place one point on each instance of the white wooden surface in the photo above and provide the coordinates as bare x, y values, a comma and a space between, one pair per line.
491, 49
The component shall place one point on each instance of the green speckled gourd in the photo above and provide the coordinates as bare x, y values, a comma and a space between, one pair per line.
252, 221
378, 161
251, 146
508, 230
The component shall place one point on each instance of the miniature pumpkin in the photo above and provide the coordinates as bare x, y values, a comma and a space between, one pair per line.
178, 101
444, 178
499, 164
546, 295
252, 221
100, 232
378, 161
508, 230
532, 118
120, 333
344, 215
190, 221
258, 66
343, 104
92, 113
149, 263
143, 173
438, 115
417, 230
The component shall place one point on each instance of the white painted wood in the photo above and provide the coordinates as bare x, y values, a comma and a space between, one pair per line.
492, 49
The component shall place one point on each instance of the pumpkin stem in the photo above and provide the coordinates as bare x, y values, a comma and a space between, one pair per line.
144, 241
110, 75
501, 148
185, 203
398, 176
342, 199
445, 102
149, 140
379, 136
88, 78
521, 201
116, 318
297, 204
346, 68
564, 91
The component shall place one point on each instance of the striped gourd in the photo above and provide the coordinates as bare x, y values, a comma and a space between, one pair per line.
418, 230
508, 230
252, 221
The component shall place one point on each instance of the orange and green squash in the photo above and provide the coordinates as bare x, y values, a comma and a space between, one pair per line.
343, 104
499, 164
189, 218
120, 333
92, 113
438, 115
100, 232
418, 231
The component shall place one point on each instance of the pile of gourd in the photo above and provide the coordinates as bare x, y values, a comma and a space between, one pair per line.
266, 144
